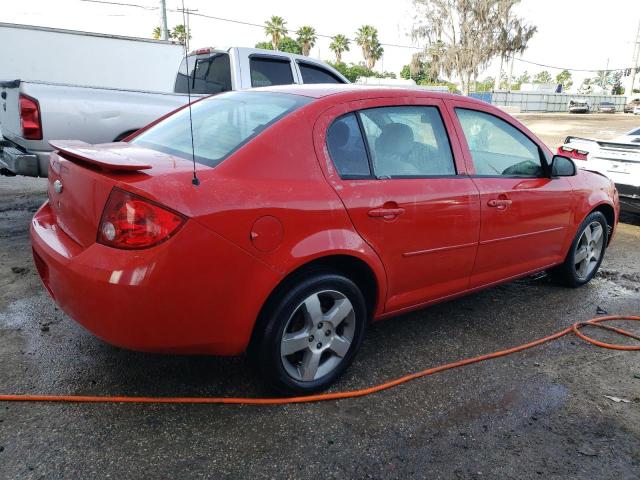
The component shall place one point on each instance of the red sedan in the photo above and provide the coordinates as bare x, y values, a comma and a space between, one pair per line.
317, 209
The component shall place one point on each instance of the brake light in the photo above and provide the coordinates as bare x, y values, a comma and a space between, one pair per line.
131, 222
30, 118
572, 153
201, 51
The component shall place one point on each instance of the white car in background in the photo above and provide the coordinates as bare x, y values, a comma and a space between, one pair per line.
618, 159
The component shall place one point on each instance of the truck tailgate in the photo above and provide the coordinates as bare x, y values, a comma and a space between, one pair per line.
10, 109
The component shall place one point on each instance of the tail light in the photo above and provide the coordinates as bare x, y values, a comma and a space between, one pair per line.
573, 153
131, 222
30, 118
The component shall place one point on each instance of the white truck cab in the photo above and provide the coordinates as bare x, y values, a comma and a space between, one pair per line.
35, 110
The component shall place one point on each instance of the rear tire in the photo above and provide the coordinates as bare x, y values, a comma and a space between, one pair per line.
309, 333
586, 252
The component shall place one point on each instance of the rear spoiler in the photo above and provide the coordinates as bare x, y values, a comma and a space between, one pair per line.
106, 156
621, 146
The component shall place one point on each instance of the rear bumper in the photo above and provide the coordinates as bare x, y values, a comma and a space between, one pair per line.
196, 293
18, 162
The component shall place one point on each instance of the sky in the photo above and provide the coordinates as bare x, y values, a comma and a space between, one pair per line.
573, 34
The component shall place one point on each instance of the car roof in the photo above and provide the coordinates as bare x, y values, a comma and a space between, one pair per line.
359, 91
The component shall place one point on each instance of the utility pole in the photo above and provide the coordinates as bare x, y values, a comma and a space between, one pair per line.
164, 31
636, 61
187, 29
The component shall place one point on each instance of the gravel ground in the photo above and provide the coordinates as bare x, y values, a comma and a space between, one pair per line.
538, 414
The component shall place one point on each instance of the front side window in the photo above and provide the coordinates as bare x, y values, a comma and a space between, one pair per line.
407, 141
498, 148
221, 124
313, 74
270, 71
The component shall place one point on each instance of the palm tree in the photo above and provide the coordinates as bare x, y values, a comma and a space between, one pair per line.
180, 34
157, 33
306, 38
339, 44
276, 27
367, 38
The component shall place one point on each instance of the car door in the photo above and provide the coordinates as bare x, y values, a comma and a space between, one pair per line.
525, 213
404, 186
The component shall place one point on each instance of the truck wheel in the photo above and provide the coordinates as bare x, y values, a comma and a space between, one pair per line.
311, 333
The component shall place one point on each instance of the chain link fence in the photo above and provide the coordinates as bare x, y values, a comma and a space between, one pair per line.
547, 102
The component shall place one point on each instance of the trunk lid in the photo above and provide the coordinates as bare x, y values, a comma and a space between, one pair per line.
81, 177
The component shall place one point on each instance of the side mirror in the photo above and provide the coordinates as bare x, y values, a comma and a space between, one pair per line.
562, 167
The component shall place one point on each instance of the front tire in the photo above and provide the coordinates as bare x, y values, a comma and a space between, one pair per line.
586, 252
310, 333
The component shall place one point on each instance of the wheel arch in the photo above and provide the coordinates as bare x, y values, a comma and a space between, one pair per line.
350, 265
609, 214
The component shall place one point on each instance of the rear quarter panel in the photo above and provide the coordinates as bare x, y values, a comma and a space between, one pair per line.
275, 175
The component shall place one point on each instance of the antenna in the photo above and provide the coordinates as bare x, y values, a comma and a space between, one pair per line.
195, 181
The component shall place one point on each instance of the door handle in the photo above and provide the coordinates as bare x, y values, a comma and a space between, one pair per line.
387, 213
499, 203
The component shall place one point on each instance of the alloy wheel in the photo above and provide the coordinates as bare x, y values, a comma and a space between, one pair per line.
588, 250
318, 335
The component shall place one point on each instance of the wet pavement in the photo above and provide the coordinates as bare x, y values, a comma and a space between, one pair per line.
537, 414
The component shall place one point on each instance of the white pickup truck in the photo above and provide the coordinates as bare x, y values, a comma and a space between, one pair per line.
33, 112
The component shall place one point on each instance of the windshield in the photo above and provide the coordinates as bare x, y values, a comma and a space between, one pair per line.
221, 125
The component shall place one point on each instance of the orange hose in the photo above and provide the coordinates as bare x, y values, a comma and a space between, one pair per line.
575, 328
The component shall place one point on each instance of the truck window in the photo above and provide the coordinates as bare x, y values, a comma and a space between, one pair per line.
270, 71
314, 74
210, 74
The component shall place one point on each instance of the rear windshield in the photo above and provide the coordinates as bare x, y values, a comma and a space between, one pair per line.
221, 124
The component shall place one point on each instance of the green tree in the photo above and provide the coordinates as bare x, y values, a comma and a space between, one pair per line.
306, 38
419, 71
339, 44
617, 88
485, 85
276, 28
180, 34
513, 36
542, 77
462, 37
354, 71
367, 39
287, 44
157, 33
524, 78
564, 78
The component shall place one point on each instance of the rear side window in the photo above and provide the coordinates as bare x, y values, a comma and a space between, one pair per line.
313, 74
346, 147
269, 71
221, 124
206, 74
407, 142
498, 148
